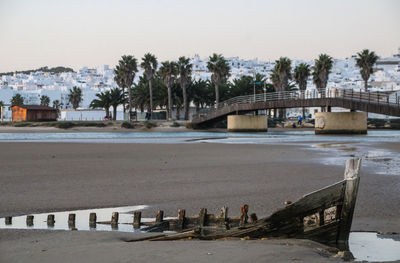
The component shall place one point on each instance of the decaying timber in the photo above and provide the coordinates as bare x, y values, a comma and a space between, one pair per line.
324, 216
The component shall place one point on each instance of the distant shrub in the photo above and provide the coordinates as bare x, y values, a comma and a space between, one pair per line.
175, 124
189, 125
149, 124
5, 123
127, 125
65, 125
22, 124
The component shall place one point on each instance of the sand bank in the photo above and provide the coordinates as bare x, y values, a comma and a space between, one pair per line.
41, 177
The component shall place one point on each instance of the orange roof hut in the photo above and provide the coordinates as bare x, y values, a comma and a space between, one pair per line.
33, 113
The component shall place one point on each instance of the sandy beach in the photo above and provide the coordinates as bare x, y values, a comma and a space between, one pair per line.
44, 177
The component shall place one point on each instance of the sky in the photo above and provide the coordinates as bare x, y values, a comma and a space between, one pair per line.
76, 33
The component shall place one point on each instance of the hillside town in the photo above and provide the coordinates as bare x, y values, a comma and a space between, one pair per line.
56, 86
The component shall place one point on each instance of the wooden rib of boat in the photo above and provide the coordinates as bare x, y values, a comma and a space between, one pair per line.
324, 216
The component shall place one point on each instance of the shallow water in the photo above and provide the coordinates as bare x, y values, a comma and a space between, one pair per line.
380, 161
374, 247
190, 137
81, 221
364, 245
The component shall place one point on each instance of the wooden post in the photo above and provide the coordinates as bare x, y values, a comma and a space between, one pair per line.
92, 218
203, 217
224, 217
244, 217
352, 177
181, 218
71, 220
29, 220
114, 218
8, 220
137, 217
253, 218
160, 216
50, 220
224, 213
321, 218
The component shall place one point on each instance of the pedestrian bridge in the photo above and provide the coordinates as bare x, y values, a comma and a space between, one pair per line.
386, 103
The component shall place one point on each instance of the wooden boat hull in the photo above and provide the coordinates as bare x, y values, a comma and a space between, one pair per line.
324, 216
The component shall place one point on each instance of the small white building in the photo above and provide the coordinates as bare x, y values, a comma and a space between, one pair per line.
87, 115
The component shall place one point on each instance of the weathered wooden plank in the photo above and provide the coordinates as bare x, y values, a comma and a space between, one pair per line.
157, 227
352, 176
312, 203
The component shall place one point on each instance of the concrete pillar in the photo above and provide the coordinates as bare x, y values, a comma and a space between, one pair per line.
341, 123
246, 123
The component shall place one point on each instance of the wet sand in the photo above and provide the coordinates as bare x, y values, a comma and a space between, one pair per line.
43, 177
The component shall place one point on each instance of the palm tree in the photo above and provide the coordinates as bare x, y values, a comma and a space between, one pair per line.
366, 61
116, 98
140, 93
220, 72
185, 69
283, 71
75, 97
119, 79
126, 70
322, 69
44, 100
301, 74
275, 80
103, 101
200, 93
281, 74
149, 64
168, 71
177, 99
17, 100
57, 105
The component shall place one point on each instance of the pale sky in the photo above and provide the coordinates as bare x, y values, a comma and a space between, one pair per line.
75, 33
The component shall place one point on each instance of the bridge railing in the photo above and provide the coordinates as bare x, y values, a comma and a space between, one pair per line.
375, 97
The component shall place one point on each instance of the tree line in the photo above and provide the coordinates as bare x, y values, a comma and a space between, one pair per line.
172, 86
54, 70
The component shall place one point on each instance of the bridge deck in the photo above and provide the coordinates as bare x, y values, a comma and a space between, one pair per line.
374, 102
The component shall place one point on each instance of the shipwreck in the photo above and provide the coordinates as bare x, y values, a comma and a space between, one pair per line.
324, 216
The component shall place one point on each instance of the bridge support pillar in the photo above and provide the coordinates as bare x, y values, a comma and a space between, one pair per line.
341, 123
246, 123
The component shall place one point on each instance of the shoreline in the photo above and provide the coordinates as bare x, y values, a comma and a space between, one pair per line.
164, 128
